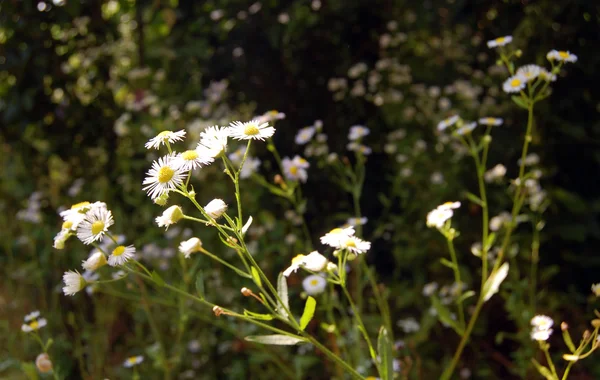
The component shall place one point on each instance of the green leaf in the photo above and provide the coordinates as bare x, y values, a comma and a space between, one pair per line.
544, 371
256, 277
474, 198
568, 340
263, 317
157, 279
282, 291
30, 371
309, 311
444, 315
490, 241
464, 296
276, 339
447, 263
384, 346
48, 344
519, 101
200, 284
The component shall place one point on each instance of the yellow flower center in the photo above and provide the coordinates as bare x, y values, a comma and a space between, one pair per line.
294, 170
189, 155
67, 225
490, 120
118, 251
314, 282
297, 259
350, 243
273, 112
500, 40
132, 360
79, 205
515, 82
164, 135
336, 231
165, 174
251, 130
34, 325
97, 227
302, 161
563, 54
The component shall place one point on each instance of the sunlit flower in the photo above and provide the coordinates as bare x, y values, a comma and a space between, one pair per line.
33, 322
250, 130
187, 247
335, 237
547, 75
438, 217
165, 137
295, 169
215, 208
296, 261
133, 361
530, 72
541, 327
304, 135
170, 216
121, 255
561, 55
95, 225
314, 284
447, 122
43, 363
214, 139
466, 128
500, 41
192, 159
357, 221
514, 84
355, 245
95, 261
74, 282
491, 121
163, 177
596, 289
357, 132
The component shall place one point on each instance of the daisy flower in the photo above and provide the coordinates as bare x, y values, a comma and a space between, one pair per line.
493, 121
438, 217
33, 323
314, 262
357, 132
214, 139
192, 159
121, 255
547, 75
61, 238
514, 84
269, 116
409, 325
95, 261
238, 155
562, 56
74, 282
357, 221
314, 284
31, 316
541, 327
190, 246
304, 135
95, 225
466, 128
215, 208
295, 169
529, 71
335, 237
252, 130
359, 148
355, 245
76, 214
447, 122
162, 177
165, 137
133, 361
170, 216
500, 41
430, 288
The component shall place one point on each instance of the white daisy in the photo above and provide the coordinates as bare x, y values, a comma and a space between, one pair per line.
170, 216
500, 41
514, 84
250, 167
529, 71
357, 132
95, 225
357, 221
95, 261
214, 139
215, 208
447, 122
335, 237
76, 213
250, 130
121, 255
466, 128
561, 55
164, 137
192, 159
438, 217
190, 246
33, 315
409, 325
314, 262
547, 75
542, 322
355, 245
494, 121
295, 169
296, 261
162, 177
133, 361
314, 284
304, 135
34, 325
74, 282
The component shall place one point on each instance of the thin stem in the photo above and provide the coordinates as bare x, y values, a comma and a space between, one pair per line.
334, 357
230, 266
535, 257
361, 325
456, 270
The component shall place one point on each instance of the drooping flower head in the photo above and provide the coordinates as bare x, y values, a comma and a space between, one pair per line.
251, 130
170, 216
164, 137
163, 177
95, 261
74, 282
500, 41
215, 208
190, 246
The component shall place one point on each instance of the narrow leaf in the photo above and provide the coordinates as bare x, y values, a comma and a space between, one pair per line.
200, 284
276, 339
263, 317
256, 277
309, 311
490, 241
519, 101
384, 346
447, 263
282, 291
444, 315
474, 198
544, 371
157, 279
464, 296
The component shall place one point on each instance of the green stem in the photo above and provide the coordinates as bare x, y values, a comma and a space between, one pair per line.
230, 266
456, 270
334, 357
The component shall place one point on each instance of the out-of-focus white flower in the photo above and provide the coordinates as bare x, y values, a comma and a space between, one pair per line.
187, 247
358, 132
61, 238
429, 289
530, 72
541, 327
500, 41
214, 138
31, 316
495, 121
95, 261
250, 167
547, 75
447, 122
170, 216
314, 284
251, 130
283, 18
295, 169
359, 148
120, 255
134, 360
561, 55
409, 325
495, 174
270, 116
94, 225
33, 322
305, 134
438, 217
514, 84
163, 177
335, 237
500, 220
466, 128
357, 221
165, 137
74, 282
215, 208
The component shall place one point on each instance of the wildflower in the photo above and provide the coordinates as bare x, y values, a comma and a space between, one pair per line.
357, 132
250, 130
429, 289
359, 148
530, 159
357, 221
447, 122
190, 246
562, 56
295, 169
269, 116
335, 237
355, 245
530, 72
33, 322
495, 174
314, 262
43, 363
514, 84
314, 284
121, 255
500, 220
170, 216
466, 128
596, 289
163, 177
500, 41
61, 238
491, 121
74, 282
165, 137
409, 325
192, 159
492, 285
95, 225
95, 261
214, 139
133, 361
541, 327
215, 208
304, 135
250, 167
438, 217
547, 75
194, 346
31, 316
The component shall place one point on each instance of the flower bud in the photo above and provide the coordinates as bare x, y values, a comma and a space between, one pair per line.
564, 326
162, 199
43, 363
246, 292
217, 310
596, 323
170, 216
215, 208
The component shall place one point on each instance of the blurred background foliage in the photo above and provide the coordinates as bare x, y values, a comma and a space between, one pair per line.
83, 84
